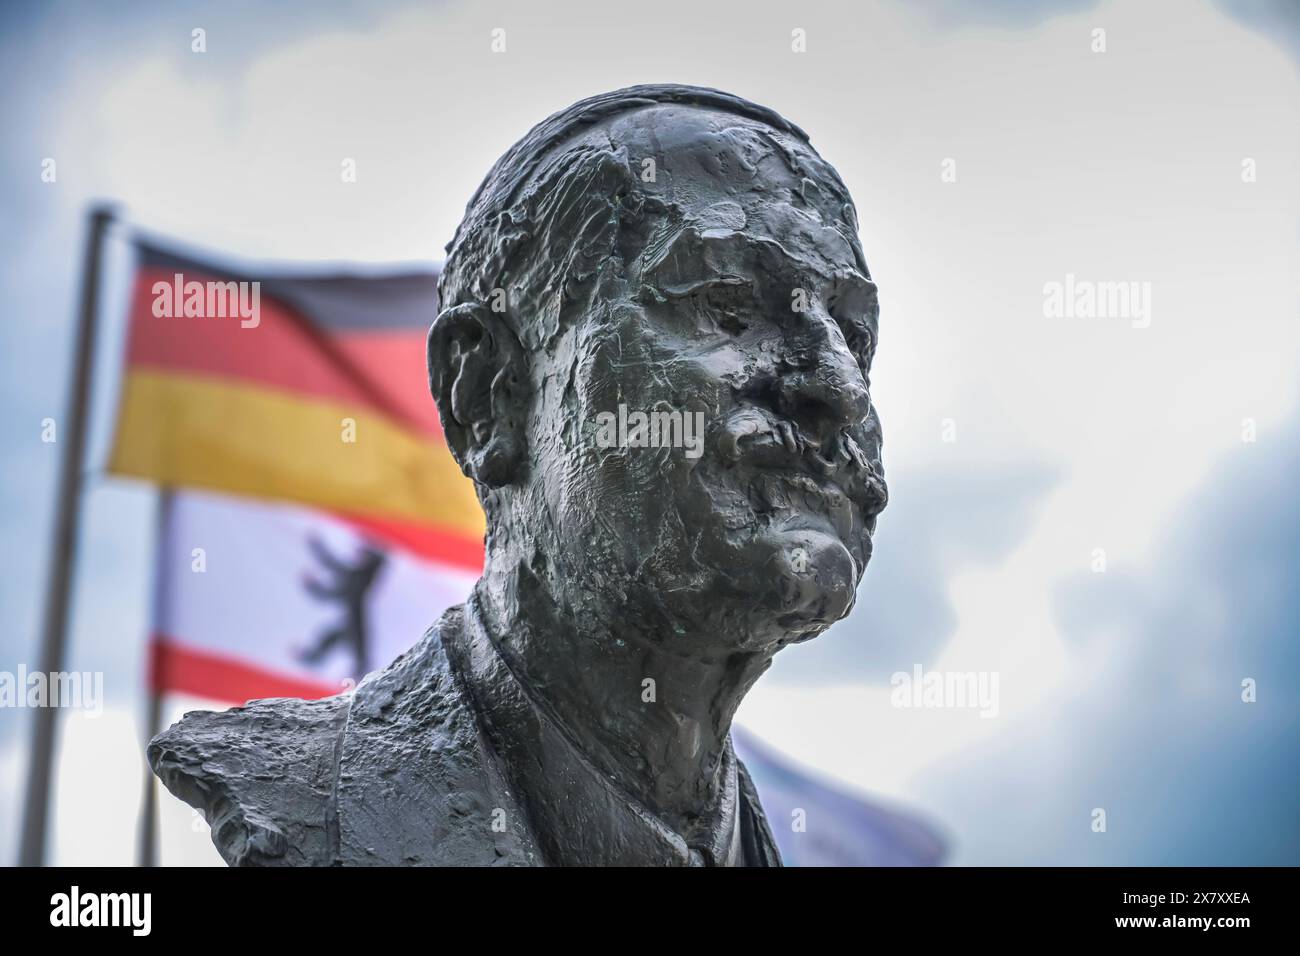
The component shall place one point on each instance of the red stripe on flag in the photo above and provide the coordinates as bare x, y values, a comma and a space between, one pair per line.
422, 541
394, 361
187, 670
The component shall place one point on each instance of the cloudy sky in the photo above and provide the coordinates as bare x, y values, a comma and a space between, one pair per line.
1017, 444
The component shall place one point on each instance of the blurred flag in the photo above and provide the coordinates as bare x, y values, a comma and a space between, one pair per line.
271, 600
308, 389
816, 824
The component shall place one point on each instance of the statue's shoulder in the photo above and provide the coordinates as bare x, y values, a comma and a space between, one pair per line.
395, 772
262, 774
418, 784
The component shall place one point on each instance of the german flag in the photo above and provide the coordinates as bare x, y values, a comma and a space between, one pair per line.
294, 387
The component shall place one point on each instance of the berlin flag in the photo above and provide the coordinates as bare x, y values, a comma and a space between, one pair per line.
271, 600
268, 599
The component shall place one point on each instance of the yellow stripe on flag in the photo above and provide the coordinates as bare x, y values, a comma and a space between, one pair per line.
189, 430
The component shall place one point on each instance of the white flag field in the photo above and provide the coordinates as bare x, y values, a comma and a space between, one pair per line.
269, 600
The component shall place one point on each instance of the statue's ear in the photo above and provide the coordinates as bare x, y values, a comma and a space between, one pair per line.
478, 377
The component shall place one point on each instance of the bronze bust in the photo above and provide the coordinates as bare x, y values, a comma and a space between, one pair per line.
652, 358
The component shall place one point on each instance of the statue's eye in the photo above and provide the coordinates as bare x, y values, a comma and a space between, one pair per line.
863, 344
727, 305
860, 340
851, 313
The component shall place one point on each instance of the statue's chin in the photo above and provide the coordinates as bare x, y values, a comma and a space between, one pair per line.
754, 588
809, 581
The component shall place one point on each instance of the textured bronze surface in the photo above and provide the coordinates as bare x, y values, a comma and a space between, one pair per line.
653, 360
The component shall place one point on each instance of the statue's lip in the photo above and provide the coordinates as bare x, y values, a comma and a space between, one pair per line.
759, 442
834, 502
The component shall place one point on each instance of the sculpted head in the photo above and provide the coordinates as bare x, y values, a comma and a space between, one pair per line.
674, 250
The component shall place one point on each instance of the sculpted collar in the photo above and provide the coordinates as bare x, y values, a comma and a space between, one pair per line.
577, 815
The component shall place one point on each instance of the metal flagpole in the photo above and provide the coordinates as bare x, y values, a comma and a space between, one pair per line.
153, 712
64, 545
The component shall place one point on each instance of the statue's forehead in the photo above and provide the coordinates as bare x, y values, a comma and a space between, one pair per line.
699, 150
721, 173
780, 244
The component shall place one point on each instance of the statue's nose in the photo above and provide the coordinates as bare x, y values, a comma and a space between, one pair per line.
826, 382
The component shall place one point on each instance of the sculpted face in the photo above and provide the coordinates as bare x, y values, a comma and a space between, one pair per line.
745, 308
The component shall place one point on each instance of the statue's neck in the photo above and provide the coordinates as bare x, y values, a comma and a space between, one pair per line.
644, 711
